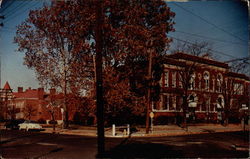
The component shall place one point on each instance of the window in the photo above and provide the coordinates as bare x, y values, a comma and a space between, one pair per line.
180, 80
166, 79
173, 79
192, 82
238, 88
226, 82
219, 82
220, 102
206, 79
165, 102
179, 102
213, 84
191, 98
174, 102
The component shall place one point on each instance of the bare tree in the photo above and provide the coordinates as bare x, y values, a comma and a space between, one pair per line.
186, 72
29, 111
240, 66
12, 111
233, 90
52, 108
197, 48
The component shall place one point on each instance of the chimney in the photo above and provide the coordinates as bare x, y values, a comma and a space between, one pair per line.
52, 91
20, 89
40, 93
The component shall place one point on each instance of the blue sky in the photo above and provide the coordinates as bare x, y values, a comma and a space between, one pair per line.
224, 24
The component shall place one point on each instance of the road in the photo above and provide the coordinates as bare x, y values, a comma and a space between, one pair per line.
19, 144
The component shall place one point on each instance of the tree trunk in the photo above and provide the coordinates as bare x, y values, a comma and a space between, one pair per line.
184, 112
226, 117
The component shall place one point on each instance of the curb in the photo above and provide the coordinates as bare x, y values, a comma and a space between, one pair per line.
139, 135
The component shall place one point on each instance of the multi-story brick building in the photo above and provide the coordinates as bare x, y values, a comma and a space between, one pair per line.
38, 105
29, 103
212, 89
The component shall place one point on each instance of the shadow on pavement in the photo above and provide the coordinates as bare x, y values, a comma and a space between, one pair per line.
143, 150
52, 151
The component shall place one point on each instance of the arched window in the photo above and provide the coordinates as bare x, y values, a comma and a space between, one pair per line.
192, 82
206, 80
220, 102
219, 82
192, 100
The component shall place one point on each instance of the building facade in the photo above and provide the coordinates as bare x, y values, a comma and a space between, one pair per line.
212, 90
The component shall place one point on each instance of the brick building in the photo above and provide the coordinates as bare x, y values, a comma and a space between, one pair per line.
38, 105
30, 104
212, 90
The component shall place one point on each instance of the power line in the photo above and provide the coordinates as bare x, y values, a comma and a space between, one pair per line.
218, 52
201, 36
7, 6
238, 59
21, 12
13, 11
208, 22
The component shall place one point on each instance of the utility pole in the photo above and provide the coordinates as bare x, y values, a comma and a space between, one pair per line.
99, 87
149, 87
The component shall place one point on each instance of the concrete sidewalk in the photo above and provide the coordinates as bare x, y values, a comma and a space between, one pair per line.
163, 130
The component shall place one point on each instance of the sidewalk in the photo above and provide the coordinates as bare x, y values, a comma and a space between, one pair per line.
163, 130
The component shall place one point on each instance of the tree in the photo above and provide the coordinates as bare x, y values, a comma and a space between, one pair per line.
12, 111
29, 111
197, 48
85, 111
59, 40
50, 39
240, 66
122, 106
234, 94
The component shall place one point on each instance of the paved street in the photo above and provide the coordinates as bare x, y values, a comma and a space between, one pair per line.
19, 144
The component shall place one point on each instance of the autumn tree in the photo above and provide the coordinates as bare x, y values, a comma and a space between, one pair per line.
122, 105
135, 28
56, 46
85, 111
59, 40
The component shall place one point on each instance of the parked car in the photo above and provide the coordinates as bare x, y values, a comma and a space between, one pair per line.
13, 124
29, 125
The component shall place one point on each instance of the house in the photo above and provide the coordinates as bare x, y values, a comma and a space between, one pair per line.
212, 90
6, 102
